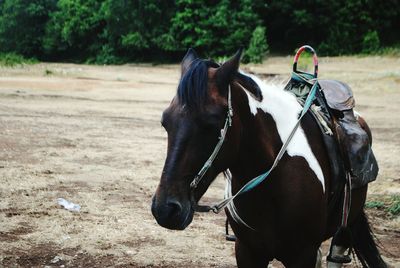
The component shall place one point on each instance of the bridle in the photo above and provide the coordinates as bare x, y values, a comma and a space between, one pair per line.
210, 160
255, 181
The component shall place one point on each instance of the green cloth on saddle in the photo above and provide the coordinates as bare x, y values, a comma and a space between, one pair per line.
299, 85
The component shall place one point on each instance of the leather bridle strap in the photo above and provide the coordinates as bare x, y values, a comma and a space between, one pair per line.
209, 162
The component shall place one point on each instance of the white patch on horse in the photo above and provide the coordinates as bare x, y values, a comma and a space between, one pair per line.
284, 109
357, 114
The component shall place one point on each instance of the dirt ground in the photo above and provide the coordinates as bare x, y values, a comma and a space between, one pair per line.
92, 135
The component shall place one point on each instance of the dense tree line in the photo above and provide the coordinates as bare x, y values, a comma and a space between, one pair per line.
112, 31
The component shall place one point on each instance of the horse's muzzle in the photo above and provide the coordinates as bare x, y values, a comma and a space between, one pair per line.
172, 214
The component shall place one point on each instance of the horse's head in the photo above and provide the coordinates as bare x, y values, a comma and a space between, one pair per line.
193, 122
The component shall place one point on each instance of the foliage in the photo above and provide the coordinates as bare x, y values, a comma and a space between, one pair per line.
375, 204
22, 25
394, 207
74, 28
212, 27
12, 59
106, 55
389, 204
390, 51
370, 43
116, 31
258, 46
134, 28
332, 27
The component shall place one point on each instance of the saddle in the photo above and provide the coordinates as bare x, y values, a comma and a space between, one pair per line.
345, 134
351, 131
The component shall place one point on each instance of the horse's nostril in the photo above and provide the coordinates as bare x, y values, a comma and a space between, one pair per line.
174, 208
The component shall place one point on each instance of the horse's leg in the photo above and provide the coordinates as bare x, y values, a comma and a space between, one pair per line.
246, 257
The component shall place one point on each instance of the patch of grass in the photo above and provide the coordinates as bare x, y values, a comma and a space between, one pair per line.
375, 204
13, 59
48, 72
387, 203
390, 51
394, 207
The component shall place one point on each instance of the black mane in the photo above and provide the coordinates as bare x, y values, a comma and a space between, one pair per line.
192, 88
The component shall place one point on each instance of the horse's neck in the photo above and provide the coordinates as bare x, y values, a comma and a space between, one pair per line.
268, 126
262, 129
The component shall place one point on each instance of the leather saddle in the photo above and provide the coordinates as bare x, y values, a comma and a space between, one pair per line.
338, 95
348, 139
352, 133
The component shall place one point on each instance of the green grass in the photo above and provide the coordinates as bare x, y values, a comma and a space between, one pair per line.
48, 72
12, 59
394, 207
392, 51
389, 204
375, 204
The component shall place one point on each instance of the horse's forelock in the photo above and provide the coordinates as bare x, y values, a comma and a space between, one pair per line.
192, 89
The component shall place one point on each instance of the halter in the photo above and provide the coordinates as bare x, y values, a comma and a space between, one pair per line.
255, 181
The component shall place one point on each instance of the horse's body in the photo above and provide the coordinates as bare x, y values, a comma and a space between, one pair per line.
289, 211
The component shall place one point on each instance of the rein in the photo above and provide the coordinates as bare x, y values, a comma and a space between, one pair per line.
260, 178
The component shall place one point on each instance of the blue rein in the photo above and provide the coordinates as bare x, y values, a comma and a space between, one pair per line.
260, 178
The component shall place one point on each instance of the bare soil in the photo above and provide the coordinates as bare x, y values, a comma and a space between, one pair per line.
91, 135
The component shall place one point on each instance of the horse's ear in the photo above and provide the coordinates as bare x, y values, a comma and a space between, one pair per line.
190, 56
249, 84
229, 68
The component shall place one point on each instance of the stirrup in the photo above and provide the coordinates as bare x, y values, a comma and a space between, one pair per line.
339, 258
228, 237
343, 236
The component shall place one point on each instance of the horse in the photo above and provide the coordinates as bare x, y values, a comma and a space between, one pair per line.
287, 216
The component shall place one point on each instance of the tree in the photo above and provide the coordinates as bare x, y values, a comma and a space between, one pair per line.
332, 27
114, 31
371, 42
75, 28
22, 25
258, 46
134, 28
212, 27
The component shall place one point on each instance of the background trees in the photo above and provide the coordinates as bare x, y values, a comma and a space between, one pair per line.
114, 31
22, 25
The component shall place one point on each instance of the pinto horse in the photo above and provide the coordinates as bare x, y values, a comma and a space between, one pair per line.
288, 212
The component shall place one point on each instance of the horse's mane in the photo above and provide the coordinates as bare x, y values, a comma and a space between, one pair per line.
192, 88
